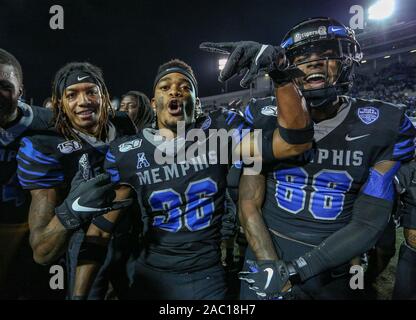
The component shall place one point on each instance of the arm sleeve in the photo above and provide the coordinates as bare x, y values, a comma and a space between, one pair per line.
37, 168
371, 213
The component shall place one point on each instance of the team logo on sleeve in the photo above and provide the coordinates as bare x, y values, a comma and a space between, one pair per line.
206, 124
69, 146
127, 146
269, 111
142, 161
368, 114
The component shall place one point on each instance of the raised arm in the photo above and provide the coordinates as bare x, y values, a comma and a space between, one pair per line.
294, 130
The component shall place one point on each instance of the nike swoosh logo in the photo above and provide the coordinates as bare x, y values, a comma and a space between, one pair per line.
263, 47
77, 207
336, 29
82, 78
348, 138
269, 277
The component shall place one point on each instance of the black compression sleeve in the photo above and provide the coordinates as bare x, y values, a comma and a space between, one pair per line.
370, 217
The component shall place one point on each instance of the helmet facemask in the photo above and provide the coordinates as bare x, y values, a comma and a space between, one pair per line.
328, 65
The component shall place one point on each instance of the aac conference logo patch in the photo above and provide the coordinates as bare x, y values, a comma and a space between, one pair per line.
206, 124
368, 114
269, 111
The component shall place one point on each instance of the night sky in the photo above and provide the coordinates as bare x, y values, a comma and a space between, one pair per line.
129, 40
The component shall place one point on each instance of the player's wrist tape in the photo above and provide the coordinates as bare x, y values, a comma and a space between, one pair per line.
297, 136
104, 224
92, 252
67, 219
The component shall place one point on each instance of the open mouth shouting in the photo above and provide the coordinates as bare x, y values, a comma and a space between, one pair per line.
315, 80
175, 107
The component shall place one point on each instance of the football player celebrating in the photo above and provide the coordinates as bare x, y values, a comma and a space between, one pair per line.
326, 207
17, 119
404, 286
183, 200
84, 127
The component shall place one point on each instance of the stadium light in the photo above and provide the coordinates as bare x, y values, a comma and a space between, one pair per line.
413, 51
382, 9
221, 64
386, 57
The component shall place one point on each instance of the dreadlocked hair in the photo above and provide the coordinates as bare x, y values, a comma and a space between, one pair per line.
62, 123
145, 113
9, 59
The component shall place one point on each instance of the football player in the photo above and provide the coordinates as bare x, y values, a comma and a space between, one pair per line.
48, 163
404, 287
326, 207
137, 106
17, 119
182, 200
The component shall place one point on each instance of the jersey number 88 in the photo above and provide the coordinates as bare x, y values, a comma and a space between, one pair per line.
326, 201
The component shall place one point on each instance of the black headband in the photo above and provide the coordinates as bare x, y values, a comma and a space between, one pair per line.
180, 70
74, 77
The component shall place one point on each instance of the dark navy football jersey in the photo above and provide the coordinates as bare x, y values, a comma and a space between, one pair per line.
310, 197
14, 201
50, 160
182, 200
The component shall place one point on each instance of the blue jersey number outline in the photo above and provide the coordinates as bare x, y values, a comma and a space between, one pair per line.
326, 201
199, 206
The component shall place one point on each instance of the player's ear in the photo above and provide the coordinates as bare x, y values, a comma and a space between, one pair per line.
153, 104
21, 91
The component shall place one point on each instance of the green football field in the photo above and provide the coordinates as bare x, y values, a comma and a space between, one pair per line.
385, 281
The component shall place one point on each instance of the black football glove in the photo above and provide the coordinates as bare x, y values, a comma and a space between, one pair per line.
253, 57
267, 277
88, 199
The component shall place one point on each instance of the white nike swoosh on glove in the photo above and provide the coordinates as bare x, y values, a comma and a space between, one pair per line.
269, 276
263, 47
77, 207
